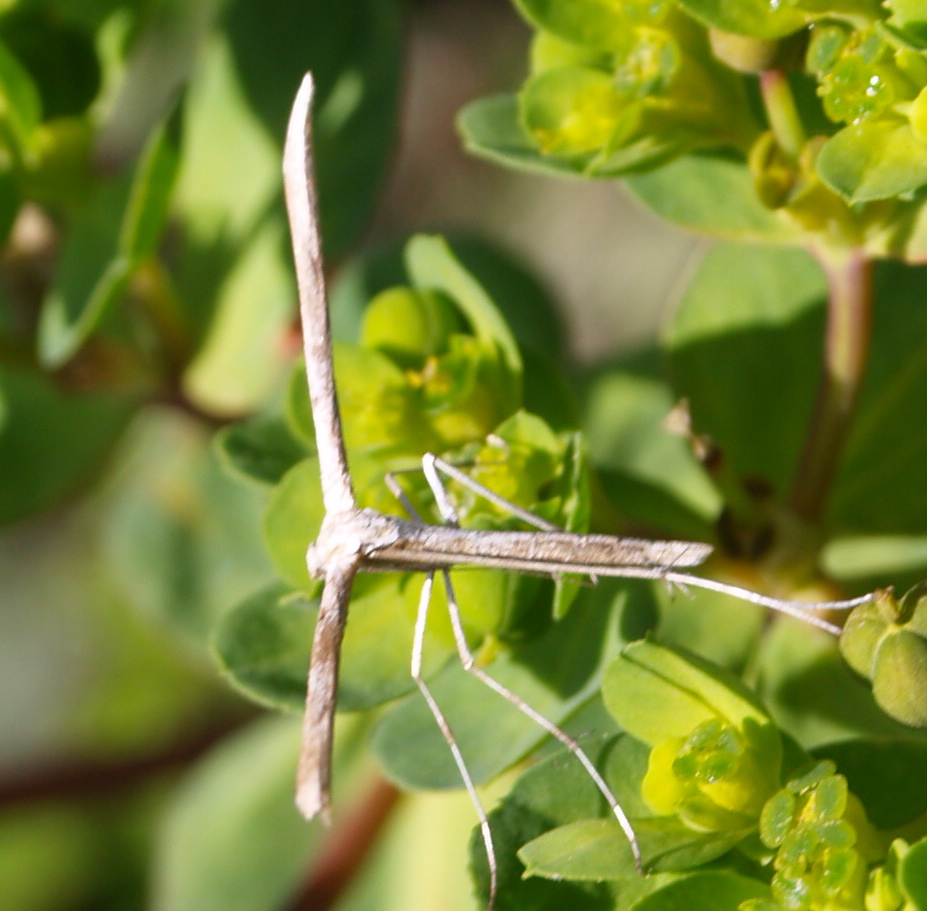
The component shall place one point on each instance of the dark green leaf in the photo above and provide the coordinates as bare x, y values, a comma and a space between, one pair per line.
9, 206
261, 449
747, 320
354, 51
888, 775
106, 243
623, 425
263, 646
152, 184
707, 891
58, 56
555, 792
52, 442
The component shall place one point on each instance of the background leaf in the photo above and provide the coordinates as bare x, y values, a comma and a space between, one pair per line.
51, 442
233, 839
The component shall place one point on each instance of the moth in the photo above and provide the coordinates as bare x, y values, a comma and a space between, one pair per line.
353, 540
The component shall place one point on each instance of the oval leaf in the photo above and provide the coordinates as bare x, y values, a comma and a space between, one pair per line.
656, 693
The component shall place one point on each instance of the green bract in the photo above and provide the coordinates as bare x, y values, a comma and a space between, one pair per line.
655, 94
716, 754
886, 641
812, 824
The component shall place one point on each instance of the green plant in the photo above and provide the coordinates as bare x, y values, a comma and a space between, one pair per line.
761, 770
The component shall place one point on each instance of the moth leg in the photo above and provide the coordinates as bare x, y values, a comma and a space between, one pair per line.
392, 482
469, 664
416, 670
432, 464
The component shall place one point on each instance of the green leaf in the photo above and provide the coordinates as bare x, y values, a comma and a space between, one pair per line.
235, 244
812, 693
862, 636
912, 874
712, 195
707, 891
528, 309
146, 212
623, 420
555, 675
354, 50
572, 110
22, 109
108, 241
263, 646
91, 278
557, 791
584, 22
755, 18
491, 128
876, 159
596, 849
888, 775
899, 680
238, 366
747, 320
233, 839
292, 521
720, 628
657, 693
182, 537
57, 54
431, 264
261, 449
52, 442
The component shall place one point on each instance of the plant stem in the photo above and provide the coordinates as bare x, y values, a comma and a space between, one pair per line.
349, 847
846, 351
781, 112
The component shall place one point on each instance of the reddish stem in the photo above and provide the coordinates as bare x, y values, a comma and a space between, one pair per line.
846, 352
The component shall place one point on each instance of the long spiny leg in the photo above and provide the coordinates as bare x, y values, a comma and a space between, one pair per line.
421, 621
468, 661
431, 465
681, 580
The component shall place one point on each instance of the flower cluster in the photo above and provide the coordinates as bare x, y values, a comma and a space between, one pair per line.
715, 779
628, 86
